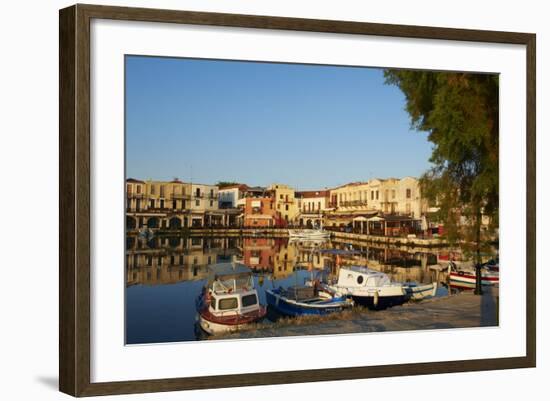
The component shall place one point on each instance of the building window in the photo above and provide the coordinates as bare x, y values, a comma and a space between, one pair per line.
408, 193
211, 203
377, 193
152, 203
286, 207
162, 190
138, 189
162, 203
174, 204
211, 194
393, 193
198, 192
197, 202
371, 195
152, 189
129, 189
281, 196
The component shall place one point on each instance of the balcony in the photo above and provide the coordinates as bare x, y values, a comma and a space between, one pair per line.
135, 196
353, 203
181, 196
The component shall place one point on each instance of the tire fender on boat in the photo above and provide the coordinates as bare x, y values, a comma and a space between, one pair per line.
375, 298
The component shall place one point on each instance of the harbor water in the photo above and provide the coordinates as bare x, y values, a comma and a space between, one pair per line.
165, 274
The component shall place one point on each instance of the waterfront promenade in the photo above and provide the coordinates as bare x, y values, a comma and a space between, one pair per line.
461, 310
351, 238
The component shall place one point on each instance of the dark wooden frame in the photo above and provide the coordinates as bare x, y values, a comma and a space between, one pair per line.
74, 199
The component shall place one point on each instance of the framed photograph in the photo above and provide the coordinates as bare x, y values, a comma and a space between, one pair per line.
250, 200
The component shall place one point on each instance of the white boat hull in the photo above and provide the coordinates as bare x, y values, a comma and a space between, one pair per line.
309, 234
419, 292
374, 296
470, 277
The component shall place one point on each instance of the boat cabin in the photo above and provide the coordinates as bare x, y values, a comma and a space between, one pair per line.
360, 276
230, 303
231, 290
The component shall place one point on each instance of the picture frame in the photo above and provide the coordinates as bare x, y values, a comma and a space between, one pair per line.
75, 204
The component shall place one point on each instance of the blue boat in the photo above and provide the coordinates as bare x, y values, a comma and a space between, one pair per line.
305, 300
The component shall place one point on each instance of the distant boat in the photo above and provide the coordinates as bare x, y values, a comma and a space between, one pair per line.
490, 274
306, 300
309, 234
229, 302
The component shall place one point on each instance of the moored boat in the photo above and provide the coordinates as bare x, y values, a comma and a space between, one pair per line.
468, 275
306, 300
369, 287
420, 291
229, 302
311, 234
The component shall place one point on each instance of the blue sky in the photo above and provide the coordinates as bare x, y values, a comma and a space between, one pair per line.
257, 123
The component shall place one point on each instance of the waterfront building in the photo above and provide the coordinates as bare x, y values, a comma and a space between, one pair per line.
175, 205
312, 206
364, 200
259, 212
204, 207
229, 195
156, 204
285, 204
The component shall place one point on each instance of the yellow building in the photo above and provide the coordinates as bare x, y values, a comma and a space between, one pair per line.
286, 204
386, 196
173, 205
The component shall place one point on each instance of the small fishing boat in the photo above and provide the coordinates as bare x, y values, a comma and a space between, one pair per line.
467, 275
369, 287
229, 302
306, 300
309, 234
418, 292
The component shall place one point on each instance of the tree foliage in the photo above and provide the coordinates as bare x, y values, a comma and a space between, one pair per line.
460, 113
222, 184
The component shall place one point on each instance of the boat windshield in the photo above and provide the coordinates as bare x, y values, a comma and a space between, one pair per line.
227, 303
249, 300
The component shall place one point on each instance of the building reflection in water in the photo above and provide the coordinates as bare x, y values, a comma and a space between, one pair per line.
169, 260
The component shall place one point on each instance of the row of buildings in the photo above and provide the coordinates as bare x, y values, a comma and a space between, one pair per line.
176, 204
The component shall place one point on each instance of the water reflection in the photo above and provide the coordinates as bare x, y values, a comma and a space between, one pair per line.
165, 274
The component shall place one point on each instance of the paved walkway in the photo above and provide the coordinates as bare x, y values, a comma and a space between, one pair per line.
455, 311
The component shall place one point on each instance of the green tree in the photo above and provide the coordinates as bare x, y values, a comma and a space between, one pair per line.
460, 113
222, 184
